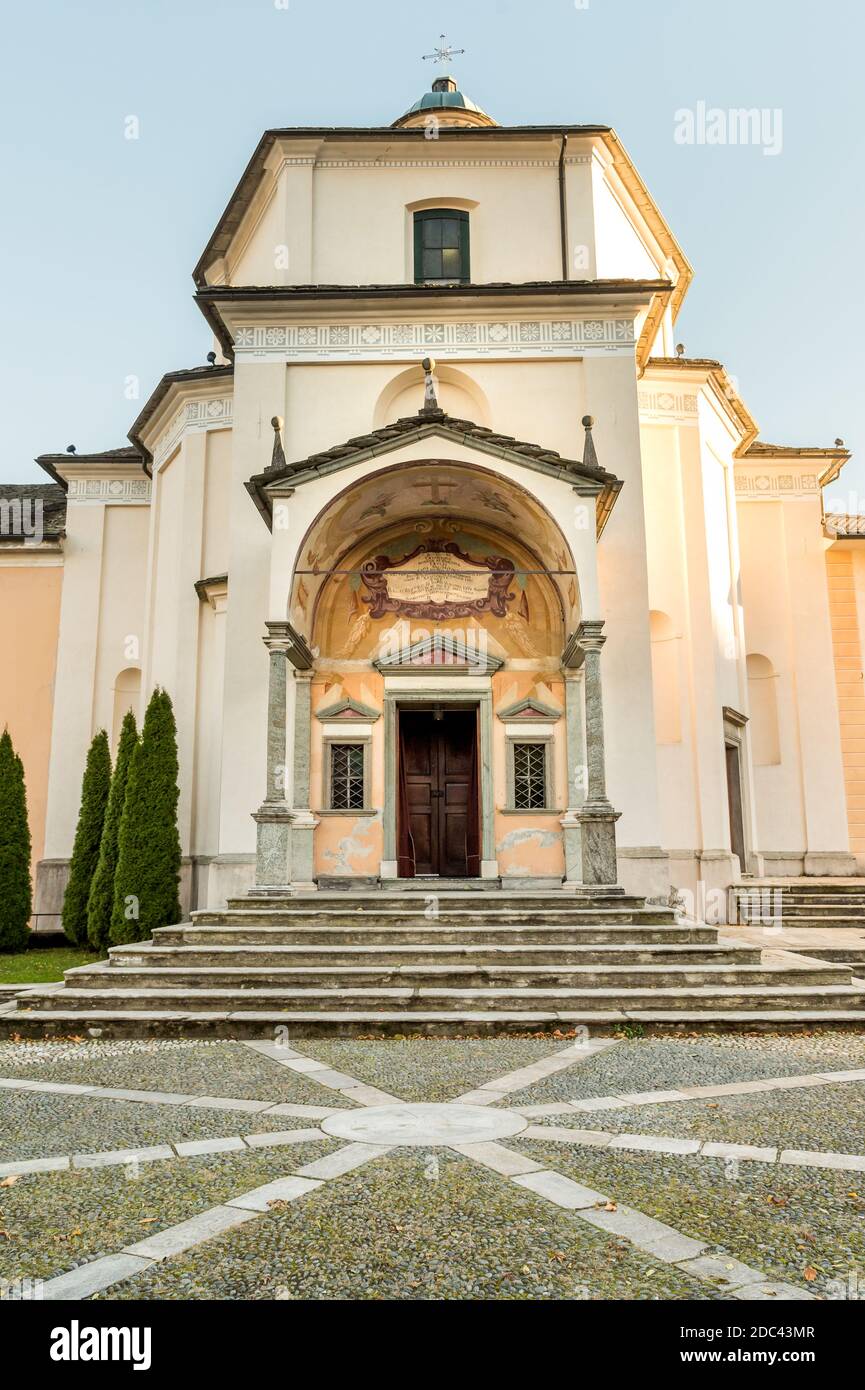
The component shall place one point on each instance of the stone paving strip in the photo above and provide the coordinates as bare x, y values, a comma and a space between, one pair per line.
98, 1275
491, 1091
624, 1100
187, 1148
253, 1107
671, 1145
654, 1238
340, 1081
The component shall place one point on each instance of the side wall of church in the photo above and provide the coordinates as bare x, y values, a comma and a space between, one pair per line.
30, 589
99, 649
796, 734
696, 623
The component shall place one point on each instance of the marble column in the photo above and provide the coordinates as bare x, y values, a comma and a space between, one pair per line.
596, 815
303, 821
273, 817
576, 764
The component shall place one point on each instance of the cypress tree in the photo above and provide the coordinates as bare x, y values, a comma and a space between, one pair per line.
148, 863
85, 851
15, 890
100, 904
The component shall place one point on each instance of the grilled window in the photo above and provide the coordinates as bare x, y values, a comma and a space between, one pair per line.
530, 776
346, 776
441, 246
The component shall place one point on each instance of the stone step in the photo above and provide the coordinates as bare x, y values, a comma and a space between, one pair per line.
151, 1023
412, 976
492, 901
431, 933
849, 955
481, 956
360, 918
801, 919
760, 996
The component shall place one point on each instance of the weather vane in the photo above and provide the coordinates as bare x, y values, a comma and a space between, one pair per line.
443, 53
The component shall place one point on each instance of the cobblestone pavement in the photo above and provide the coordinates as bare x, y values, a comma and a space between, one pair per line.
411, 1168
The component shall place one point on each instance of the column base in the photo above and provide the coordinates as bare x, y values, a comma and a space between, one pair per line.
572, 838
272, 844
598, 843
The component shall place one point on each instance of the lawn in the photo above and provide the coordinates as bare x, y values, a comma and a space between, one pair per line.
43, 965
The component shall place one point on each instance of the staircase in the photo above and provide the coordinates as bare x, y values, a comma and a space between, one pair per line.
378, 963
801, 903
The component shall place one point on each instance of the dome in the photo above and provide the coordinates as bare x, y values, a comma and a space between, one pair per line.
447, 104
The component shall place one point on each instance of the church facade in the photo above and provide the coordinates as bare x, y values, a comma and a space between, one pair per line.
454, 567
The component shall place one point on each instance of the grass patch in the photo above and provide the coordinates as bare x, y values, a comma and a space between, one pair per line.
42, 966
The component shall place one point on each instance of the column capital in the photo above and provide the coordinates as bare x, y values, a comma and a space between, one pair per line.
590, 634
283, 637
588, 637
277, 638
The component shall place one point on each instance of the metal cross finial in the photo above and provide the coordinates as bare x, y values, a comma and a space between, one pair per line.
443, 53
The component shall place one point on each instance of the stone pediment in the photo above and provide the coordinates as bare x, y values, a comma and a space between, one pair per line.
352, 711
533, 711
431, 426
440, 655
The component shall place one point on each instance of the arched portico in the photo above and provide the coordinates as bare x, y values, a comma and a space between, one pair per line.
436, 612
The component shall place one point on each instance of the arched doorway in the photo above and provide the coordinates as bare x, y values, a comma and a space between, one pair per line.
436, 598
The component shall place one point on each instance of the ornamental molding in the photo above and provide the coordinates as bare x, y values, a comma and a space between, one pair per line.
212, 413
465, 340
102, 491
661, 404
769, 486
373, 163
436, 582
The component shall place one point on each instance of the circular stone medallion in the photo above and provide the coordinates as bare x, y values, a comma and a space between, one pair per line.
424, 1124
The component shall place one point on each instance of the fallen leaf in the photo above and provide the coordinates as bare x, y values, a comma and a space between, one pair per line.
7, 1182
558, 1255
6, 1234
810, 1273
148, 1220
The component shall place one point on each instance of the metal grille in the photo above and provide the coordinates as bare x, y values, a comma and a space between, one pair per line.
530, 776
346, 776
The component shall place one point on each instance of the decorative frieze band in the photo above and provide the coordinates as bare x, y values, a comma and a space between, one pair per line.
769, 485
502, 338
659, 403
102, 490
203, 414
442, 163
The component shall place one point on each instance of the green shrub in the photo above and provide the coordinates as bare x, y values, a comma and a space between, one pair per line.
85, 851
16, 897
100, 904
148, 864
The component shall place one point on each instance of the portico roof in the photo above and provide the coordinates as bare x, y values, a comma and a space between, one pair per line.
588, 478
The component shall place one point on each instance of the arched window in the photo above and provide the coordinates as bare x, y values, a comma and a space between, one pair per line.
441, 247
127, 689
665, 678
763, 702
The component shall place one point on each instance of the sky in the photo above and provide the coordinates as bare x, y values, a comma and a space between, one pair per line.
99, 233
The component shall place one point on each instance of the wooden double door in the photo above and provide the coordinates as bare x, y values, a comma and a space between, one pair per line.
437, 822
